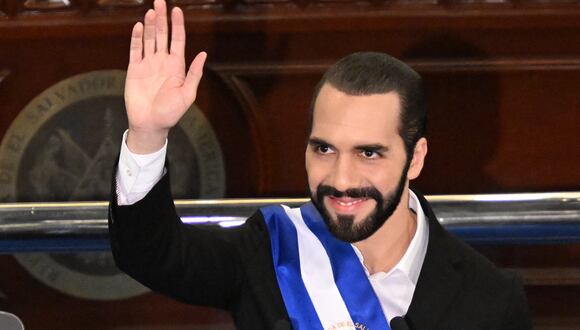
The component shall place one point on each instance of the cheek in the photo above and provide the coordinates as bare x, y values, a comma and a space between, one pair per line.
314, 172
384, 179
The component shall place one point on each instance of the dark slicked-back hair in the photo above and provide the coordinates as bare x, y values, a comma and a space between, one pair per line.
377, 73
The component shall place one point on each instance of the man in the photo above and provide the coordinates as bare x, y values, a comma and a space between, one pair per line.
366, 253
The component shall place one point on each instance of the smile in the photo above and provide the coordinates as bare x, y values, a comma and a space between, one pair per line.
346, 204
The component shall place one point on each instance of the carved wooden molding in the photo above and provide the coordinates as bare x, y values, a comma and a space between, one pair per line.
260, 134
549, 276
120, 3
50, 8
46, 4
116, 17
451, 65
495, 65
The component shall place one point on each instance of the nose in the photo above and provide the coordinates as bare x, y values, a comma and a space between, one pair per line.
344, 175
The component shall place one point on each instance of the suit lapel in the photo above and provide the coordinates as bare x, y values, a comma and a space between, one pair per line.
439, 280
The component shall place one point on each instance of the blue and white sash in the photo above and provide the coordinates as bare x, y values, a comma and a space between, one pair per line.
322, 281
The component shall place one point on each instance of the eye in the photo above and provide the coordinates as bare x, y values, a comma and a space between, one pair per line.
323, 149
370, 154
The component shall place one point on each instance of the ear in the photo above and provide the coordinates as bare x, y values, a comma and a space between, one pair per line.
418, 160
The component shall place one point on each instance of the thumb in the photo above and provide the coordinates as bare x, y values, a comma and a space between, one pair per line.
193, 77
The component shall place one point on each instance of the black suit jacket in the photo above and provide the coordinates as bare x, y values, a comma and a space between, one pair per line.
232, 269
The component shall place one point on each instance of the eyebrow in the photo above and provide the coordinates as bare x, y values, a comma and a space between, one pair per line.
314, 141
372, 147
376, 147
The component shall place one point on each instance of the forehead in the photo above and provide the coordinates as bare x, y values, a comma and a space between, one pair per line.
358, 119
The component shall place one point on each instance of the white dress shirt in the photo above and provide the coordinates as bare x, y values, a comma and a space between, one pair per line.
137, 174
395, 288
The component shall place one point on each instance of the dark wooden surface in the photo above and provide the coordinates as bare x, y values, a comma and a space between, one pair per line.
504, 116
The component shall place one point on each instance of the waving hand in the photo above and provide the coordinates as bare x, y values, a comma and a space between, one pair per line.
157, 90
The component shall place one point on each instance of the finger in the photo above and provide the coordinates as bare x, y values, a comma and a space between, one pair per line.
177, 32
161, 33
193, 77
136, 49
149, 35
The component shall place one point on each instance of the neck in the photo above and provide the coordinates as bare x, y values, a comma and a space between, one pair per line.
385, 248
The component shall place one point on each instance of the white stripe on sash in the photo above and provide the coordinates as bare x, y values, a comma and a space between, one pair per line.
317, 275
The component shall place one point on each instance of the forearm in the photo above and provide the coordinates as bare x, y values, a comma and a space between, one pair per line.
140, 232
151, 244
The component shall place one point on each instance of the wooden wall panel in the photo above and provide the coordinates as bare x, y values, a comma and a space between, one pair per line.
503, 129
485, 120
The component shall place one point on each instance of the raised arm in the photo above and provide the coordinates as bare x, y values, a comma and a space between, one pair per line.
157, 90
148, 240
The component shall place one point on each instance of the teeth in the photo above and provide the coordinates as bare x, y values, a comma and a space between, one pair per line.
349, 203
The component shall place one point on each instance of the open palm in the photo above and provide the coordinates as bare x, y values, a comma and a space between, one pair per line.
157, 90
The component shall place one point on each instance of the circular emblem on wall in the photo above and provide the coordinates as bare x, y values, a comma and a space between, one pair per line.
62, 146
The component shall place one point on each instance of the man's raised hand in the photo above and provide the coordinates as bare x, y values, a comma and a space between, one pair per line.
157, 90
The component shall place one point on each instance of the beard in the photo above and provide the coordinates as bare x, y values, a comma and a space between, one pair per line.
344, 228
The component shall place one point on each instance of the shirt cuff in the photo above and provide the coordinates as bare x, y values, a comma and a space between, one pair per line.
138, 173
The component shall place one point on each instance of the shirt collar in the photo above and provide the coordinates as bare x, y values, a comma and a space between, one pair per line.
411, 262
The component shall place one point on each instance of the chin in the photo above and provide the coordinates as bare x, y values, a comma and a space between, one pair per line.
354, 220
357, 226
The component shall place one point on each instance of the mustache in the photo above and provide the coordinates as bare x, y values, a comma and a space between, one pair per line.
364, 192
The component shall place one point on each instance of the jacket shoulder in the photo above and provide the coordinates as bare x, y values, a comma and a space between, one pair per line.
486, 290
